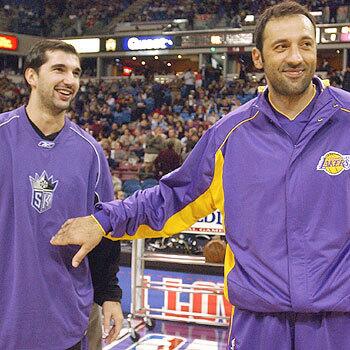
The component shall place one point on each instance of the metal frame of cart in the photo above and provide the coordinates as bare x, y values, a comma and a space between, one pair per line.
148, 315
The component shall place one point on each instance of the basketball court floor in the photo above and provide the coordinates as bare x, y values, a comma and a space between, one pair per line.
170, 335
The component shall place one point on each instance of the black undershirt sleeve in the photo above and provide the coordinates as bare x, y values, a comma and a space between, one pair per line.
104, 265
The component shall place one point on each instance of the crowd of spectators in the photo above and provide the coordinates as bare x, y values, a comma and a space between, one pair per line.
82, 17
229, 12
147, 129
59, 18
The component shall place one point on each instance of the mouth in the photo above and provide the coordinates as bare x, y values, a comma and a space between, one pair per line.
293, 73
64, 94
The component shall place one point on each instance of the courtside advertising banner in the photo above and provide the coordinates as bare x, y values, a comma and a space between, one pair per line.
210, 224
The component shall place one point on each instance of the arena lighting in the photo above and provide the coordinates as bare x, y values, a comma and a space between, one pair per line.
91, 45
179, 56
148, 43
134, 58
156, 57
216, 39
111, 44
318, 35
168, 64
330, 30
143, 63
127, 71
249, 18
223, 57
180, 20
8, 42
316, 13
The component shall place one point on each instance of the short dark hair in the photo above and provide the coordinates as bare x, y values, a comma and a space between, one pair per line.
284, 9
37, 54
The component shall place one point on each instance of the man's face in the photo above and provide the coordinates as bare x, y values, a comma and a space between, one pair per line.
57, 81
289, 54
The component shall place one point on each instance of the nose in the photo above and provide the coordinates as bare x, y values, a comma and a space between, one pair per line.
69, 79
295, 57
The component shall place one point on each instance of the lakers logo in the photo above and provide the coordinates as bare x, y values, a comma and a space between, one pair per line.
334, 163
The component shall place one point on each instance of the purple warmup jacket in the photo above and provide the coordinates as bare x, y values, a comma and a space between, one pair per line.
44, 301
286, 207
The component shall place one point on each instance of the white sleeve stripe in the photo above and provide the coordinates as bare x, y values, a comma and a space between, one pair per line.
7, 121
98, 157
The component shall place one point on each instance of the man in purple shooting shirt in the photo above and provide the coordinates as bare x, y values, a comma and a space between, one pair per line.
278, 169
51, 170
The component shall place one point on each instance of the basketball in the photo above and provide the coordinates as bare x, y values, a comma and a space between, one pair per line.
214, 251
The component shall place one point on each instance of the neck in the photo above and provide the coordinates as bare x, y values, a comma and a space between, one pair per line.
291, 106
47, 121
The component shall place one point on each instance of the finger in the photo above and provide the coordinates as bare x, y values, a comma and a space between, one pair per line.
60, 238
80, 255
112, 336
106, 326
118, 319
118, 323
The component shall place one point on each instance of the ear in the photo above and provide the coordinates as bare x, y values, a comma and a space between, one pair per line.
31, 77
257, 58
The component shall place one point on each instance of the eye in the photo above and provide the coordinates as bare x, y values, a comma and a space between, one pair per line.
307, 44
58, 69
280, 47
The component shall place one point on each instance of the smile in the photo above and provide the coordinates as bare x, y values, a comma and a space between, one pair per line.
64, 92
294, 73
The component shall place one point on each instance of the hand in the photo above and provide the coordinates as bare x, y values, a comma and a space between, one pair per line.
112, 320
82, 231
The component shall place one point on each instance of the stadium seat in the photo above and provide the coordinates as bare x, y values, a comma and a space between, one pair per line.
147, 183
131, 186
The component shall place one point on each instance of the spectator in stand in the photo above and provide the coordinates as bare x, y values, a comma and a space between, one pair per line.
154, 144
127, 139
167, 160
189, 80
173, 138
346, 80
119, 154
333, 11
147, 171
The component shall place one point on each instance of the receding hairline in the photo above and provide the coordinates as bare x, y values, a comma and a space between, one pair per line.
280, 18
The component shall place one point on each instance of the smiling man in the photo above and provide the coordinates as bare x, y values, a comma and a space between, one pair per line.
278, 170
51, 170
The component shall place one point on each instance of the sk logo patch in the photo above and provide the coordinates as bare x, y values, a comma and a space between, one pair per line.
334, 163
43, 188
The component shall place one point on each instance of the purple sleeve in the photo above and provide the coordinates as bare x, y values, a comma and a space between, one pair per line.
103, 218
181, 198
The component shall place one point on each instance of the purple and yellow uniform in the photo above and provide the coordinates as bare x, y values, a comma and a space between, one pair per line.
286, 210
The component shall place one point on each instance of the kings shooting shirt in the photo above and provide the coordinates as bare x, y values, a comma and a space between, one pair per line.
44, 301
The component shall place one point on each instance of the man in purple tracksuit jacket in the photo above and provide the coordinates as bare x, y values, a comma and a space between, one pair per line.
51, 170
278, 168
